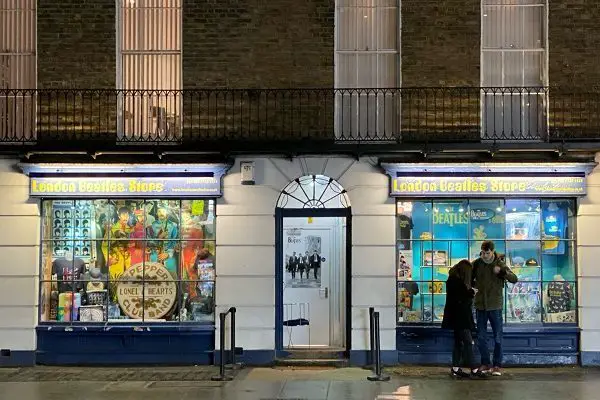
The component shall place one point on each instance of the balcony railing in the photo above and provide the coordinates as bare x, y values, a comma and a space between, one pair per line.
403, 115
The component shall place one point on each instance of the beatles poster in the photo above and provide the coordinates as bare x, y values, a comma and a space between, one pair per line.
302, 258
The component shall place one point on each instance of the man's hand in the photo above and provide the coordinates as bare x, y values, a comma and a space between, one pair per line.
475, 290
496, 270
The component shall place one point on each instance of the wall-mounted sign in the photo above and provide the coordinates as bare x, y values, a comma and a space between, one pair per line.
151, 299
247, 172
119, 186
425, 186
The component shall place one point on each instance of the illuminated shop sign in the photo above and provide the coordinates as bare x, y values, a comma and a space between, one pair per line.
124, 186
488, 186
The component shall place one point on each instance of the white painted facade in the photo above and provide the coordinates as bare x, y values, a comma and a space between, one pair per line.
245, 255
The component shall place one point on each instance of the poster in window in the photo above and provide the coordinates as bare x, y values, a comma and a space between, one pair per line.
303, 258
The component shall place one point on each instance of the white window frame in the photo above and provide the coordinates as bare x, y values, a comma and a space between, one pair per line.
356, 133
18, 32
524, 94
150, 112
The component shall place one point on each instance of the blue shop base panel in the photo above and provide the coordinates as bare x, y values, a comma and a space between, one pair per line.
125, 345
525, 345
17, 358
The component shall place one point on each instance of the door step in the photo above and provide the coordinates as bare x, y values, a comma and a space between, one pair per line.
314, 362
313, 354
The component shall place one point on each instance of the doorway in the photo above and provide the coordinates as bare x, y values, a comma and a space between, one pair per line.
312, 274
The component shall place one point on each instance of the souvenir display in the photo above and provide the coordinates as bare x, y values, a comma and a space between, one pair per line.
532, 237
117, 255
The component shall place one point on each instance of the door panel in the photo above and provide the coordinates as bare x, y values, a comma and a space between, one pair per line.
311, 303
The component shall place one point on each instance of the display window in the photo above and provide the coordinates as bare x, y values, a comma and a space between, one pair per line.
535, 237
125, 260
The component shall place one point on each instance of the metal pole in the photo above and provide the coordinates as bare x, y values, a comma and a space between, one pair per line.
222, 376
233, 364
378, 375
370, 357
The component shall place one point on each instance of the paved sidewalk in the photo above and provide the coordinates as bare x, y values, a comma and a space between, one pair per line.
407, 383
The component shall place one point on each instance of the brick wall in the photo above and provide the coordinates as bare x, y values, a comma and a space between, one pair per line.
76, 44
440, 42
258, 43
574, 43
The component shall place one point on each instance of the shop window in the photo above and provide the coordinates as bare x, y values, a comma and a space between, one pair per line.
128, 260
536, 239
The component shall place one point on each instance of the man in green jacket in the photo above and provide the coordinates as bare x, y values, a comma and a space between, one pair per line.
489, 276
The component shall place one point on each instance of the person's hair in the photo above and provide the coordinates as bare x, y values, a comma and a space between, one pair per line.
488, 245
123, 210
462, 271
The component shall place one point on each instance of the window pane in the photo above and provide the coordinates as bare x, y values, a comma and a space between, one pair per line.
163, 233
523, 219
201, 307
475, 248
438, 291
558, 223
450, 219
524, 259
486, 219
198, 261
559, 265
523, 302
560, 302
492, 73
198, 219
422, 215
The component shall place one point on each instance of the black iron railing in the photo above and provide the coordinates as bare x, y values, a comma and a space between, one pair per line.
404, 115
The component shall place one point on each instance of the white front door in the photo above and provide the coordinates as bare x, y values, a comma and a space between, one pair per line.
311, 270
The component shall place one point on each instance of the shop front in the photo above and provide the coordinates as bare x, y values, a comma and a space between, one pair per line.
445, 212
127, 263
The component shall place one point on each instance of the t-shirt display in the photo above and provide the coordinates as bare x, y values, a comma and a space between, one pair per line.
555, 229
405, 226
559, 296
68, 273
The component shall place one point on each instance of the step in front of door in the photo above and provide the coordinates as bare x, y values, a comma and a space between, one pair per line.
312, 362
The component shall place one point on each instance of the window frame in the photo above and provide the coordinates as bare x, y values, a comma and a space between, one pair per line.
427, 296
178, 281
350, 96
154, 112
492, 94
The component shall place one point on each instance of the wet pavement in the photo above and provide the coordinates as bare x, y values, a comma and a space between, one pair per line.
407, 383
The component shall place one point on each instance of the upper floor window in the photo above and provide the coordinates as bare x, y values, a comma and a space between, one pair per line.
17, 68
514, 68
367, 52
149, 67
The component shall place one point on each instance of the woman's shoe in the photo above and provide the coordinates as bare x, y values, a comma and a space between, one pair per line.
478, 373
459, 373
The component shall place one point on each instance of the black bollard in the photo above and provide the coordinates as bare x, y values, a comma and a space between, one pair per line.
379, 377
370, 356
222, 376
232, 363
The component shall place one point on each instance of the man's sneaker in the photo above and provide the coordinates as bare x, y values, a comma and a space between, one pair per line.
484, 369
496, 371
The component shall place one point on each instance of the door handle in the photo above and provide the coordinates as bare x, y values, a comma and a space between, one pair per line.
324, 293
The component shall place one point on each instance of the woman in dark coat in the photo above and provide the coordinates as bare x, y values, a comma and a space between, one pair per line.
458, 316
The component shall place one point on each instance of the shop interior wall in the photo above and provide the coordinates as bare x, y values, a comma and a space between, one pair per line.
246, 246
588, 252
19, 255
